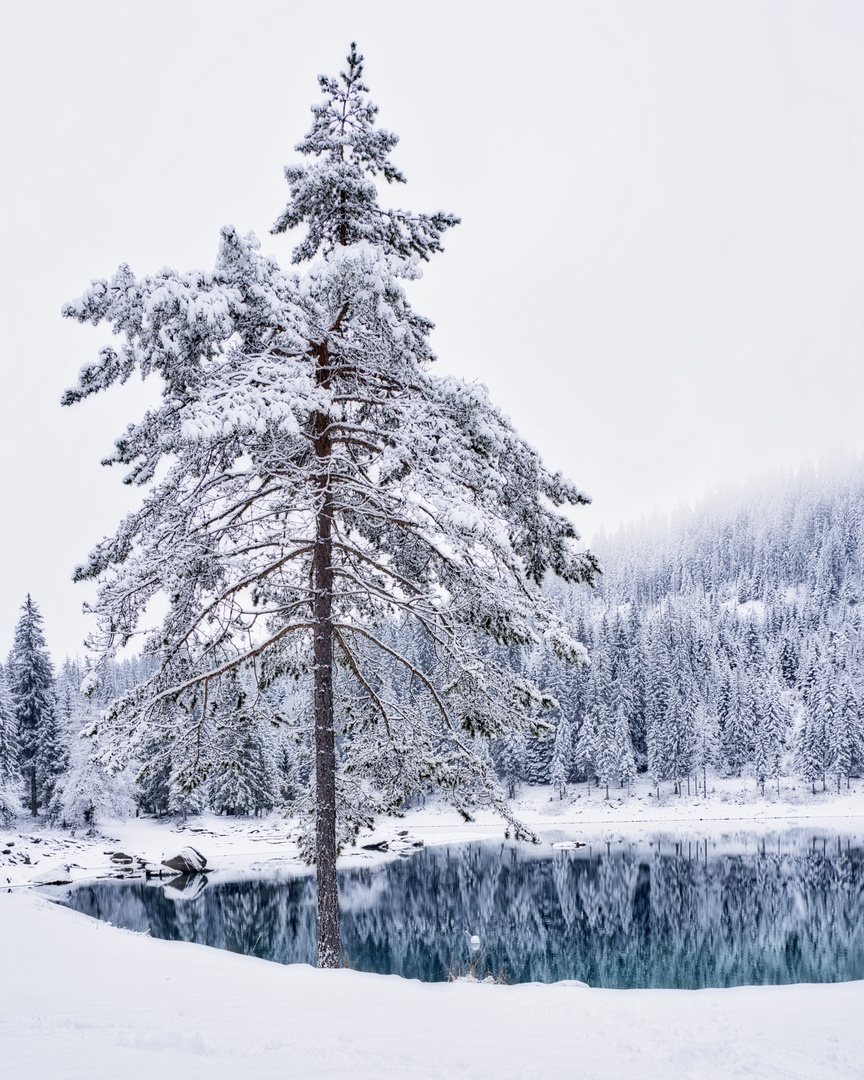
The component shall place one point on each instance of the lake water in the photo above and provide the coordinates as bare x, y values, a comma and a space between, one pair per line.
667, 914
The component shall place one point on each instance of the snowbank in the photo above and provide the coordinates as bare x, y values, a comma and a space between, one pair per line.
84, 1001
81, 999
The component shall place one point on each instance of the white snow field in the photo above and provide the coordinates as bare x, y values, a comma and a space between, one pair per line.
82, 999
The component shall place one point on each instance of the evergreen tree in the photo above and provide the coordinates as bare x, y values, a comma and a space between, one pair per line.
638, 710
53, 754
846, 734
321, 480
154, 789
42, 752
244, 779
789, 660
810, 753
539, 746
825, 703
769, 735
561, 756
679, 741
660, 706
585, 751
10, 776
625, 761
737, 737
512, 758
605, 749
86, 794
289, 774
706, 742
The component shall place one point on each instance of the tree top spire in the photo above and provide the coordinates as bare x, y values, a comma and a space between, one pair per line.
335, 196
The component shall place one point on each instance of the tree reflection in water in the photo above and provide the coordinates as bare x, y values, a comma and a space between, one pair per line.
614, 919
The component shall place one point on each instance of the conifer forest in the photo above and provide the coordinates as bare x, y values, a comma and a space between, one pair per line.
726, 642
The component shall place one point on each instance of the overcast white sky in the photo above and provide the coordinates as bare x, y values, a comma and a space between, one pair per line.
660, 269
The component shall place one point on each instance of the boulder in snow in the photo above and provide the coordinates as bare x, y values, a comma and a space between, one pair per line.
189, 861
57, 875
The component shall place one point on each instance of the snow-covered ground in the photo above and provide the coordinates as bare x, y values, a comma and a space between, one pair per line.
33, 853
83, 999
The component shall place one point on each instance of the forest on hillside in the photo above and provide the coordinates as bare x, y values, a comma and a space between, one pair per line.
729, 639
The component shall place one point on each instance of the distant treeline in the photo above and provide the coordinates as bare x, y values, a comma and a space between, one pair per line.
730, 640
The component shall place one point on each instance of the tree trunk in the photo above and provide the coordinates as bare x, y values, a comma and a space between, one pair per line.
33, 797
325, 744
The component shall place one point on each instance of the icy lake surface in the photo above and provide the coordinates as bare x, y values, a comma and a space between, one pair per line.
685, 914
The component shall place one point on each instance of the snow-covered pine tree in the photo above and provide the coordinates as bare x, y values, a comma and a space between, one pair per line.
769, 734
86, 793
184, 800
539, 748
585, 750
737, 736
625, 760
706, 742
846, 734
605, 749
561, 755
153, 777
10, 775
638, 714
244, 779
811, 750
662, 694
511, 763
289, 770
761, 754
824, 700
318, 480
680, 740
53, 755
43, 753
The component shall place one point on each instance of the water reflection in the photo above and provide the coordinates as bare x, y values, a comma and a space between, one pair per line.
652, 918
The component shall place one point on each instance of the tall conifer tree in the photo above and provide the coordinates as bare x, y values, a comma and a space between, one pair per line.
41, 747
320, 481
10, 776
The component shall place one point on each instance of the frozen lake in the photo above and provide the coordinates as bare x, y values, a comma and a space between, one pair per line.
685, 914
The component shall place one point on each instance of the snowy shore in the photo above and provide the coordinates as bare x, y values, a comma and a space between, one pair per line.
83, 999
734, 807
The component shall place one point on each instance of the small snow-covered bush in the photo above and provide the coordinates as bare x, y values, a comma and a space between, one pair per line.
10, 806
